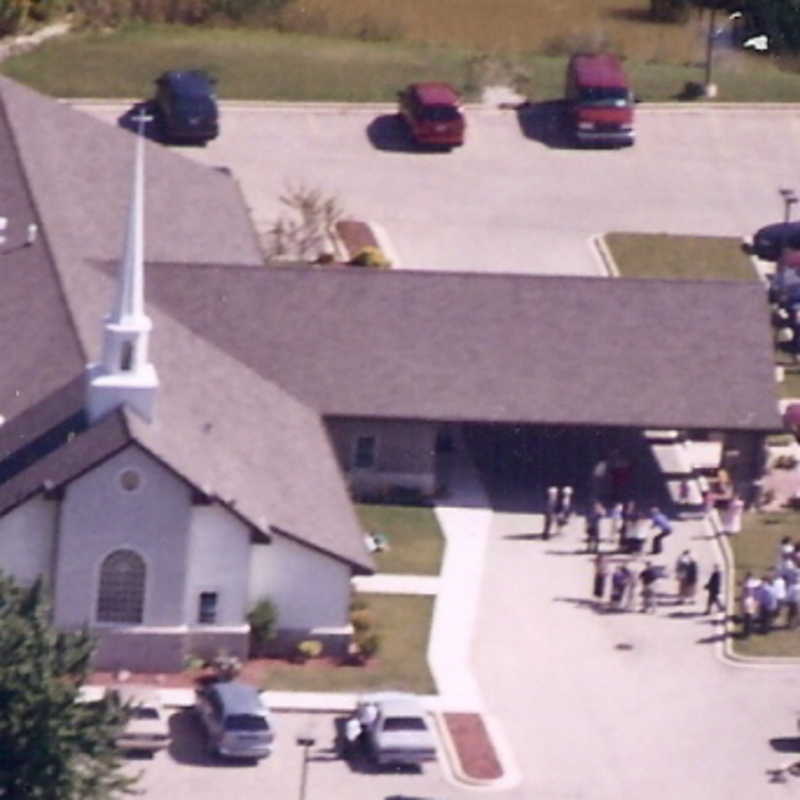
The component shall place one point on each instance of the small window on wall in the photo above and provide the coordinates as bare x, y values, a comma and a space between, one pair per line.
207, 608
364, 452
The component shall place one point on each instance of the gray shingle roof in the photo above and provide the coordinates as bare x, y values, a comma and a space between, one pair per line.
503, 348
220, 425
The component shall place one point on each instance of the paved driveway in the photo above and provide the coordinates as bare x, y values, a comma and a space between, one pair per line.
660, 718
506, 201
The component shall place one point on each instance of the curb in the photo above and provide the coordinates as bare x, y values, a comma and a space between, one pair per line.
598, 241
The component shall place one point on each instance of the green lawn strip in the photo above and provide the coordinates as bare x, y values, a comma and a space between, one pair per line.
790, 386
755, 550
415, 540
261, 64
662, 255
403, 622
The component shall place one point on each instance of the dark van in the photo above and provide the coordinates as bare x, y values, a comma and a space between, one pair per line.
599, 100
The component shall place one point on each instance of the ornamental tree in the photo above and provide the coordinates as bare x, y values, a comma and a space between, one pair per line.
52, 747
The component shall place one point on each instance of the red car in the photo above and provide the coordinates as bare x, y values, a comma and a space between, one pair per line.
433, 114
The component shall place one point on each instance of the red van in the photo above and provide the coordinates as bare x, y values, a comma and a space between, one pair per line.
599, 100
433, 114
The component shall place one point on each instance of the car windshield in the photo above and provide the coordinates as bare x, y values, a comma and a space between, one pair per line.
605, 96
439, 113
245, 722
194, 105
144, 713
404, 724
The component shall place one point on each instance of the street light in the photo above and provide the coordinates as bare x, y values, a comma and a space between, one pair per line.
709, 88
789, 199
305, 742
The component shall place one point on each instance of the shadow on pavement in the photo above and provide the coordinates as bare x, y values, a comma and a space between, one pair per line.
785, 744
189, 744
545, 122
152, 130
389, 132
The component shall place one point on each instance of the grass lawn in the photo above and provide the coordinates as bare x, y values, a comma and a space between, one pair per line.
661, 255
403, 622
754, 550
415, 539
260, 64
790, 387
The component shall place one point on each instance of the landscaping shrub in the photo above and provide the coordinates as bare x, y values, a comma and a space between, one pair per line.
308, 648
263, 621
369, 644
370, 257
362, 620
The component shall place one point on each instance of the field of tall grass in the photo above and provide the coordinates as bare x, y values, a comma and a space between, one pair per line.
259, 64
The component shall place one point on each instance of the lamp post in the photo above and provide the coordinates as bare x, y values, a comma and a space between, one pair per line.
789, 199
305, 742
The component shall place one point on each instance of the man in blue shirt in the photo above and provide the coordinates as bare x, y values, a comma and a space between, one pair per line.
659, 520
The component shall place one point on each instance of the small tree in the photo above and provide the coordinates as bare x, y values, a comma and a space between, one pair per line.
305, 231
263, 621
51, 747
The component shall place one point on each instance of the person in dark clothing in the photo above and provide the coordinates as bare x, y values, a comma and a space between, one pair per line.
659, 520
648, 577
593, 527
600, 576
713, 587
550, 511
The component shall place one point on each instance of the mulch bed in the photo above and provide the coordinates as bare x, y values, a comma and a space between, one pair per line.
474, 748
355, 235
255, 672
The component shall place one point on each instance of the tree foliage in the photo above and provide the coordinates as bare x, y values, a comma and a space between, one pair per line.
51, 747
778, 19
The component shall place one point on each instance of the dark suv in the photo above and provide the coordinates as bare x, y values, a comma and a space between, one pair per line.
186, 106
771, 240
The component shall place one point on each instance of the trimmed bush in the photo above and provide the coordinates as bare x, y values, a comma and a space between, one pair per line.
263, 621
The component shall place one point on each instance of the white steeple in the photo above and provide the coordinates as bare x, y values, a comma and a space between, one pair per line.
124, 376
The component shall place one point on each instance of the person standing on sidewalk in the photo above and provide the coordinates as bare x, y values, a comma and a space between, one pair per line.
593, 519
564, 508
600, 576
648, 578
550, 510
660, 521
713, 587
749, 611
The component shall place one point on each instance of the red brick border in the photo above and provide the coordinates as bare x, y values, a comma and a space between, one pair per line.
474, 749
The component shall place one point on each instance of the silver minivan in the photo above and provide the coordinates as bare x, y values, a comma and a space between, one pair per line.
237, 722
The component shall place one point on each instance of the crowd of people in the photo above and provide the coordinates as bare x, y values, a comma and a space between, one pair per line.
773, 600
625, 582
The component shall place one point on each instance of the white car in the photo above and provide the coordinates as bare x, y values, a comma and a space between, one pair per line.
147, 729
395, 729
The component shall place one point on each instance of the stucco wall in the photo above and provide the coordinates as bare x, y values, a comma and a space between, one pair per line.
98, 516
219, 561
309, 589
27, 535
405, 453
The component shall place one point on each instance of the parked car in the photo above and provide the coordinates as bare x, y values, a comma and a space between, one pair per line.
147, 729
771, 240
599, 100
237, 722
395, 729
433, 114
186, 106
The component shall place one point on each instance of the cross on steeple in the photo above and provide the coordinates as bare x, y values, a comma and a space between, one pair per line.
124, 375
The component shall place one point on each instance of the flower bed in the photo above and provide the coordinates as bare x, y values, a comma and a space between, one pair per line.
474, 749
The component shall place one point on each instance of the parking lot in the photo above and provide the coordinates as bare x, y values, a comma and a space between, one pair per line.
508, 201
187, 771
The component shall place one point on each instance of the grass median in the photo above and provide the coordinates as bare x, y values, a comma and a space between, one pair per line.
662, 255
755, 550
262, 64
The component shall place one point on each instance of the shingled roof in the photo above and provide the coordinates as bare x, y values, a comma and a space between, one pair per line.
225, 429
500, 348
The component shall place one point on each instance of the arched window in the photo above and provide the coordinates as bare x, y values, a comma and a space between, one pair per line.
120, 596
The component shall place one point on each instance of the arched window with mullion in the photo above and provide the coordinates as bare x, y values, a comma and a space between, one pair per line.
120, 594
